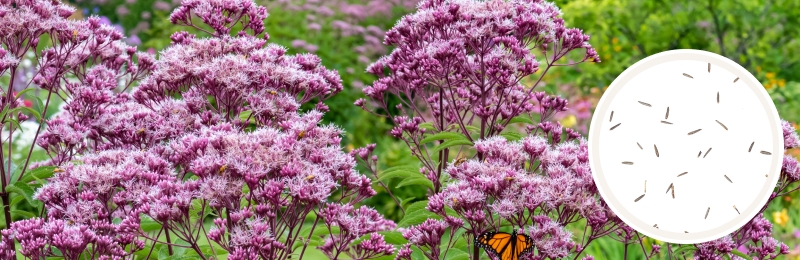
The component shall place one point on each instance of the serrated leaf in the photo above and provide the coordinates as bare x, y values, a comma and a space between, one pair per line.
23, 213
24, 190
451, 143
419, 205
416, 181
443, 136
41, 173
416, 218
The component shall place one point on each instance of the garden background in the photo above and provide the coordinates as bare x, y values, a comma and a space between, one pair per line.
347, 35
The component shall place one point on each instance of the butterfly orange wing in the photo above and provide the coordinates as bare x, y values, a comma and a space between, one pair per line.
523, 245
497, 244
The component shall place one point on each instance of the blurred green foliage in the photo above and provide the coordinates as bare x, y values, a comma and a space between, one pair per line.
760, 35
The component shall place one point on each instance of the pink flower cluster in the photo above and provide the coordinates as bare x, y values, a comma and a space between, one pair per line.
213, 128
511, 182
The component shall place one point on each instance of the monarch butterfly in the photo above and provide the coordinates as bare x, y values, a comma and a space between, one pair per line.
505, 246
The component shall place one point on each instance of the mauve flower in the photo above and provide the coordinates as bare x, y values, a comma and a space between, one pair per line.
790, 138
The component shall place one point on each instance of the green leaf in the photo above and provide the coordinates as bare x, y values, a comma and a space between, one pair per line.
451, 143
684, 249
206, 249
416, 206
521, 119
38, 105
416, 181
405, 201
740, 254
21, 93
16, 200
416, 218
26, 109
443, 136
44, 172
393, 237
149, 225
398, 174
24, 190
455, 254
23, 213
512, 136
14, 124
427, 126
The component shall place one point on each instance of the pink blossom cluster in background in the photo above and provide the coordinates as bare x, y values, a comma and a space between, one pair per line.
347, 19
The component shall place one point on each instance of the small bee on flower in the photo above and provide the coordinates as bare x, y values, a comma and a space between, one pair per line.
222, 169
455, 201
141, 130
309, 177
74, 34
273, 92
459, 161
301, 134
58, 170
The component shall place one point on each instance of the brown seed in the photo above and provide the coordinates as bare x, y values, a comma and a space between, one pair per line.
670, 187
737, 210
665, 122
612, 116
628, 163
708, 210
765, 152
709, 150
709, 68
673, 192
655, 147
687, 75
640, 197
695, 131
646, 104
615, 126
726, 177
640, 146
751, 146
667, 115
655, 225
699, 153
687, 232
679, 175
717, 97
723, 126
645, 186
735, 80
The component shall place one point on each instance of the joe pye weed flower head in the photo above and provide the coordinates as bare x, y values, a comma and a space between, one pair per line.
210, 130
